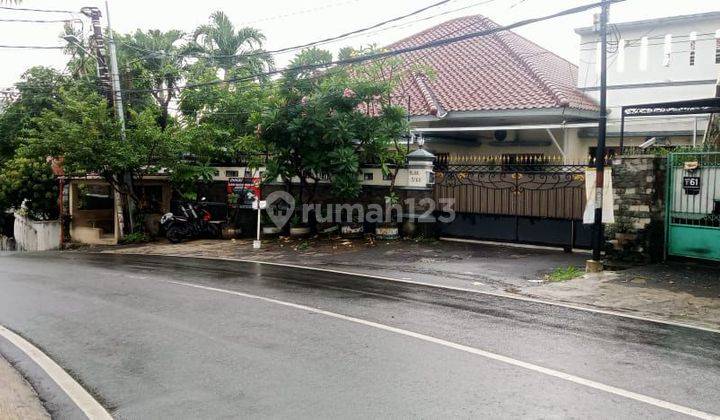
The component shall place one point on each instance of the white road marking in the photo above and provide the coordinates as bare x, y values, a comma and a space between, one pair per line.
92, 409
489, 355
455, 288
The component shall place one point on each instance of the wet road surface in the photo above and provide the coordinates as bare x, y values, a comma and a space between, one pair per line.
161, 337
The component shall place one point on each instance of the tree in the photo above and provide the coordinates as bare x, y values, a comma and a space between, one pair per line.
29, 179
233, 50
81, 129
157, 59
37, 92
80, 64
226, 112
326, 125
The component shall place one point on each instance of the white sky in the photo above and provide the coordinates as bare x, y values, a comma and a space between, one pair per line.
293, 22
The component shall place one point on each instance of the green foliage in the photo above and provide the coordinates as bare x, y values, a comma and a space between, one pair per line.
135, 238
29, 179
623, 224
313, 124
237, 51
564, 274
37, 92
81, 128
326, 125
154, 60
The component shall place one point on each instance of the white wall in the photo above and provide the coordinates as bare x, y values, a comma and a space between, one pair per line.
679, 69
678, 79
32, 235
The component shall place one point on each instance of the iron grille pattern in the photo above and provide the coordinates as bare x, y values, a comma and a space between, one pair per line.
690, 205
529, 189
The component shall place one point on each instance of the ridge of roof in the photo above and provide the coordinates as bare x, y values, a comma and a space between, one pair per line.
430, 29
544, 81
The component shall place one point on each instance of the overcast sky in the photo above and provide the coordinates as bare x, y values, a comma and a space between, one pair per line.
292, 22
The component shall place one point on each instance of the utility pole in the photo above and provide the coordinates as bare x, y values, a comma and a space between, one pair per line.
110, 81
98, 44
598, 234
119, 110
115, 75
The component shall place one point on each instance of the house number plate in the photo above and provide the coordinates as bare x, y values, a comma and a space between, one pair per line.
691, 185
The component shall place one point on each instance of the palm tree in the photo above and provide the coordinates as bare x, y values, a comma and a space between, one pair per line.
157, 58
80, 65
229, 49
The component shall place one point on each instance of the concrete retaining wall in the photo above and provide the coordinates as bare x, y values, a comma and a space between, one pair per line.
31, 235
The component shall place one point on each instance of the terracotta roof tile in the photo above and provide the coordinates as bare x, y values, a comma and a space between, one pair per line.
502, 71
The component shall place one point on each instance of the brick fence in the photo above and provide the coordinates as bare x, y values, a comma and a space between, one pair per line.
638, 234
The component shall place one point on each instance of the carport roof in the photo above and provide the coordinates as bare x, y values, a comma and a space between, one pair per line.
502, 71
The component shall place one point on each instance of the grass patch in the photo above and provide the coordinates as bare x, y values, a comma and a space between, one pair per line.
564, 274
135, 238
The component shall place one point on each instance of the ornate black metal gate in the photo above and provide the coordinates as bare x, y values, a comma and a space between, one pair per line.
530, 200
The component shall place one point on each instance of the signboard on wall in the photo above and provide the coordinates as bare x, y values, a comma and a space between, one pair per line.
247, 188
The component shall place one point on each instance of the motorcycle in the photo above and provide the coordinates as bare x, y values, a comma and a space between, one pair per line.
195, 221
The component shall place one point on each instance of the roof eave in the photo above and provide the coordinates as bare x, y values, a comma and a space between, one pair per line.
567, 113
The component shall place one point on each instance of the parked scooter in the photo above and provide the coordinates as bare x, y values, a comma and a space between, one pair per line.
195, 221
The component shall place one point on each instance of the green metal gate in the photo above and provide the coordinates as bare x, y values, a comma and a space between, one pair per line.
693, 205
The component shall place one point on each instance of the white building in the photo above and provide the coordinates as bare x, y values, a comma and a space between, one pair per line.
655, 60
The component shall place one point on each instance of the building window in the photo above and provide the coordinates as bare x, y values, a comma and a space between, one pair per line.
368, 176
643, 53
95, 197
693, 41
389, 176
717, 47
621, 56
667, 50
232, 174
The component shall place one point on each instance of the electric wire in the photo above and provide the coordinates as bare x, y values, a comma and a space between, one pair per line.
390, 53
25, 9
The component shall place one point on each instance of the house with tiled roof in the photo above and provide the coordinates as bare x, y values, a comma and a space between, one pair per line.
499, 94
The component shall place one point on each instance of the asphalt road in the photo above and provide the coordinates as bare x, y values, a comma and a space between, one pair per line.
159, 337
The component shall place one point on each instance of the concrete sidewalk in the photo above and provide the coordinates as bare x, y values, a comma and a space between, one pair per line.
18, 401
680, 293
